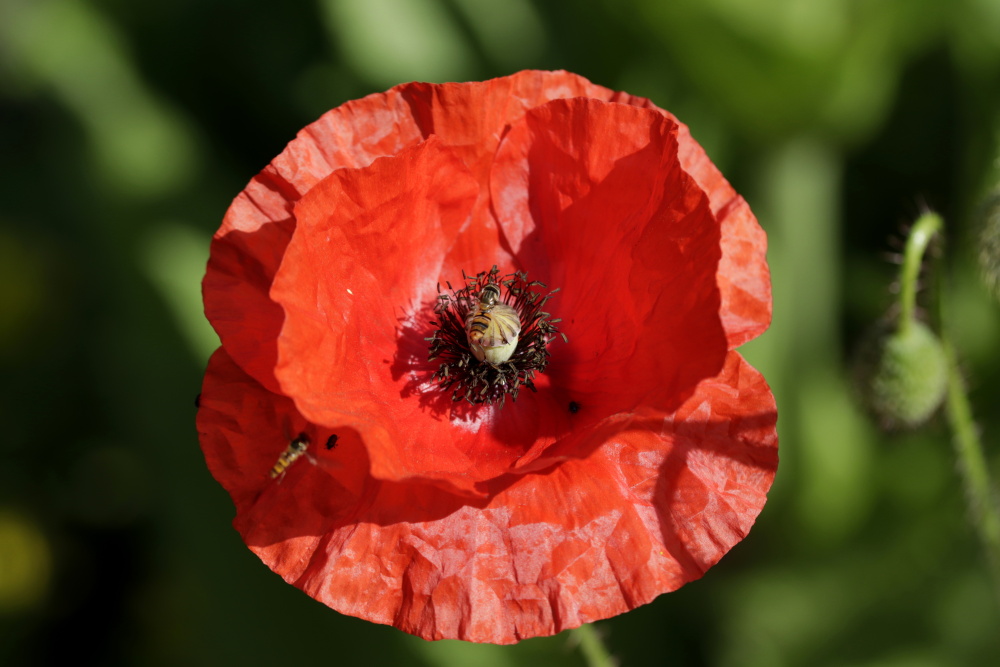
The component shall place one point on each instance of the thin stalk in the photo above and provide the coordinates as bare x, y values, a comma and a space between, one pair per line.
984, 512
979, 493
924, 229
592, 647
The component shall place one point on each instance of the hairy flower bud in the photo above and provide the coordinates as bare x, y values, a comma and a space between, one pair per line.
903, 375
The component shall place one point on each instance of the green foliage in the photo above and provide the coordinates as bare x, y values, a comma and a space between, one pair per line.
128, 127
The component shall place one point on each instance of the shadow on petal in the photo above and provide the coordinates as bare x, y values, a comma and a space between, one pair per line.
237, 288
714, 481
411, 362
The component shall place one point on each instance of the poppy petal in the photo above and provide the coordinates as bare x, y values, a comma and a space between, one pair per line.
357, 285
589, 539
472, 117
649, 318
591, 197
363, 265
744, 278
247, 248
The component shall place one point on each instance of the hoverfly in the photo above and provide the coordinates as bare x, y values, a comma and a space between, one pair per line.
294, 450
492, 327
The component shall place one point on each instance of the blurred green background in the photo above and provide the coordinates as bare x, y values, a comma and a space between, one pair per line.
126, 129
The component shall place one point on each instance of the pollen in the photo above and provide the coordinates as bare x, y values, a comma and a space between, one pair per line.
492, 337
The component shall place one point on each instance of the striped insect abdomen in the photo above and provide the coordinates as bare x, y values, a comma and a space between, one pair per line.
493, 332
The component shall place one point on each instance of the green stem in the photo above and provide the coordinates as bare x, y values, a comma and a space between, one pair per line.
592, 647
924, 229
983, 508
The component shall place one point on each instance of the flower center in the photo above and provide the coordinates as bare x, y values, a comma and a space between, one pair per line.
492, 336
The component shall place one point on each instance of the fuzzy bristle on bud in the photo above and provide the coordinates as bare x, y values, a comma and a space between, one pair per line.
903, 374
989, 242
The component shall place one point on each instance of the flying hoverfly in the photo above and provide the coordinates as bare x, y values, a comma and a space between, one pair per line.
294, 450
492, 327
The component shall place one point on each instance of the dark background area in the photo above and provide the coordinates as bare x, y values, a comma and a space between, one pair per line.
127, 128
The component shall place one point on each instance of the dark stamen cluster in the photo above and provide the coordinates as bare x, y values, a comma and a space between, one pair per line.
480, 381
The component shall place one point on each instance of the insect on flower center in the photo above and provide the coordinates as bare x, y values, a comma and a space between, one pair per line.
492, 336
492, 327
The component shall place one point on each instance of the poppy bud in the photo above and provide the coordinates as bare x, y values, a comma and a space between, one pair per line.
903, 374
989, 242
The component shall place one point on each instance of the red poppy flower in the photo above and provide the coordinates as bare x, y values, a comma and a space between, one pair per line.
644, 452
